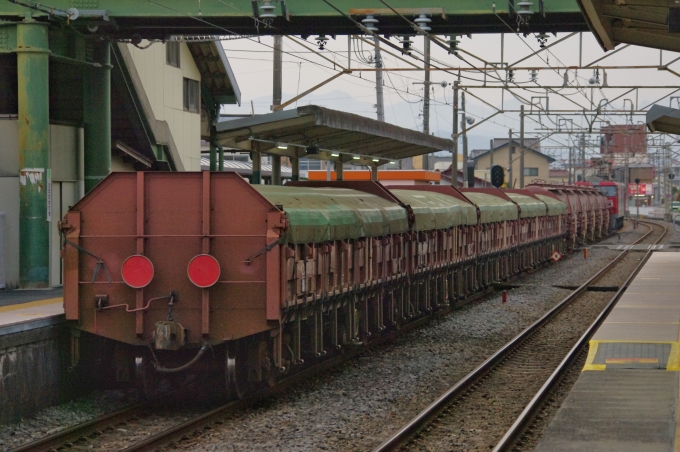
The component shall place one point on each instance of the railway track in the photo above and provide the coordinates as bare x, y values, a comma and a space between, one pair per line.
90, 434
492, 406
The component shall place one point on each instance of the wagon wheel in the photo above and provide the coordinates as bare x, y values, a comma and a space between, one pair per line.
236, 370
145, 378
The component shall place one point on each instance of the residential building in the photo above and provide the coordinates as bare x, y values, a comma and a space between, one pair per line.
536, 164
104, 107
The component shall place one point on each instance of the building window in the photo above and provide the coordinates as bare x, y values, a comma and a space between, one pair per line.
191, 102
172, 53
531, 171
310, 164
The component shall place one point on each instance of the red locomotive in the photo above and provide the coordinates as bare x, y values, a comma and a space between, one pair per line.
204, 273
615, 193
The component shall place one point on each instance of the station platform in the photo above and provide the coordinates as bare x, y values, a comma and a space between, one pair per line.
626, 398
24, 310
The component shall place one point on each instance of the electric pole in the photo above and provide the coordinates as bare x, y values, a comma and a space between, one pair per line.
508, 183
465, 144
278, 82
454, 136
426, 98
379, 81
521, 146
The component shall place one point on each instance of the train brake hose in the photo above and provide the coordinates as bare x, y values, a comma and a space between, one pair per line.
167, 370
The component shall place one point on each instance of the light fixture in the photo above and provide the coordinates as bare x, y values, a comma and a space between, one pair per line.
376, 160
393, 163
312, 149
356, 158
282, 146
335, 155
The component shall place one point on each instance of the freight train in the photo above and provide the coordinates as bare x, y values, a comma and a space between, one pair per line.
203, 273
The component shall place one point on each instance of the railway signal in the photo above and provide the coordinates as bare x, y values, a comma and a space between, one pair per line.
497, 176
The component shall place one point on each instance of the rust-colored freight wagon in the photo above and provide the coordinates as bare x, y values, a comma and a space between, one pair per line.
204, 273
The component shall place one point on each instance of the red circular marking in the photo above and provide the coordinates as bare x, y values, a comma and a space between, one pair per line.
137, 271
204, 270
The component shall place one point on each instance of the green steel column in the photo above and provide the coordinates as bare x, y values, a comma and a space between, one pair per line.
34, 152
213, 149
97, 115
220, 158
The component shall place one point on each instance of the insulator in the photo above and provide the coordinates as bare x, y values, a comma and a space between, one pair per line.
370, 23
267, 10
321, 41
406, 43
423, 22
542, 39
533, 75
453, 44
525, 8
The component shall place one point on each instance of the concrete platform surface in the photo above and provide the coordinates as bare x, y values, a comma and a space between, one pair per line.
616, 411
31, 315
11, 297
626, 398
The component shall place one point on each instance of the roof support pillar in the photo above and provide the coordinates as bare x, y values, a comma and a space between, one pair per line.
374, 173
295, 163
34, 152
213, 149
97, 115
256, 178
220, 158
276, 169
338, 170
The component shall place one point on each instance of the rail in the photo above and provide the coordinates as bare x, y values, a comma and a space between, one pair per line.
529, 411
423, 418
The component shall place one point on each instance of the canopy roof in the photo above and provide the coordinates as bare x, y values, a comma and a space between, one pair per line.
216, 73
334, 132
663, 119
651, 23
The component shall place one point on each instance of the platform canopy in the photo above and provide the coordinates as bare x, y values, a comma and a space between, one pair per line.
158, 19
663, 119
317, 132
648, 23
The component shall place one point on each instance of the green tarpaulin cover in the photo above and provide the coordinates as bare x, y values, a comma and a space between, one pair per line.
555, 207
322, 214
492, 208
531, 207
437, 210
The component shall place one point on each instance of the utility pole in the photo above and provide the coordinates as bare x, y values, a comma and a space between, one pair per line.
490, 153
521, 146
465, 144
278, 82
583, 157
379, 81
626, 177
426, 98
508, 183
454, 136
569, 180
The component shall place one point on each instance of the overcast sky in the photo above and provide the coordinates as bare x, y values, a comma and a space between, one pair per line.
251, 60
